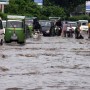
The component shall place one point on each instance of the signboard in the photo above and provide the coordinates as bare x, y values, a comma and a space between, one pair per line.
4, 1
39, 2
88, 6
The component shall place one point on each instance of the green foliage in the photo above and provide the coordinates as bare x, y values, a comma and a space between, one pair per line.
68, 5
3, 16
59, 8
29, 8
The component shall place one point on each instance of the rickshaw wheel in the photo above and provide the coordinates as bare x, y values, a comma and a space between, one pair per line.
7, 41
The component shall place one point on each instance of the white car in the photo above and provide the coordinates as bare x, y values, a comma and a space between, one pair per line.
84, 25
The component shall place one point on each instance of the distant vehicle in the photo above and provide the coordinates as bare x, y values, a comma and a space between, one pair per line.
84, 25
1, 33
46, 27
15, 29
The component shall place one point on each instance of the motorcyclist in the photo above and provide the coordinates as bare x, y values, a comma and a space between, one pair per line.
78, 32
59, 24
36, 25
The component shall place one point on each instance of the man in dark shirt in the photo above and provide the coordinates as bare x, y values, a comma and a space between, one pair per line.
59, 24
36, 25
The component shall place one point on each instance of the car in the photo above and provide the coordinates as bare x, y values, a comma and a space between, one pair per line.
45, 27
84, 25
15, 29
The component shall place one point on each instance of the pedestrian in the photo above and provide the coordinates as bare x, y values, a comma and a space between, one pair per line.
71, 31
52, 29
1, 26
78, 31
89, 30
64, 29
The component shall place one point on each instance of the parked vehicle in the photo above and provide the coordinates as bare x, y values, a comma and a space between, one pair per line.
15, 29
46, 27
1, 33
84, 25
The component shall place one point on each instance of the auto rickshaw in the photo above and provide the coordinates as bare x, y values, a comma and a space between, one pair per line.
29, 26
15, 29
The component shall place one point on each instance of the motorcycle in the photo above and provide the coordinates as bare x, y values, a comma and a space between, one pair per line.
36, 34
58, 30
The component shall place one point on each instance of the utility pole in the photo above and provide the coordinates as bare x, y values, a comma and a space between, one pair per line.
3, 3
2, 7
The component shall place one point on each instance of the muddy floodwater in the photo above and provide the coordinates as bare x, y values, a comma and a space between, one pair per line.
50, 63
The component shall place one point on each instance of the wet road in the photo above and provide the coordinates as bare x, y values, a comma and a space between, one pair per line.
51, 63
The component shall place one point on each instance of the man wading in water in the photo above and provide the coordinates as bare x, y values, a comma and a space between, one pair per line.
77, 32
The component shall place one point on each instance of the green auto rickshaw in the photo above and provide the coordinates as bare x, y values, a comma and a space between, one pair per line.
29, 25
15, 29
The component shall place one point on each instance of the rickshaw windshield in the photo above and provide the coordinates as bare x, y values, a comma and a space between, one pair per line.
14, 24
1, 26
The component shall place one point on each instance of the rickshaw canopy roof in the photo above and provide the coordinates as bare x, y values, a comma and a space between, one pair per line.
15, 17
54, 18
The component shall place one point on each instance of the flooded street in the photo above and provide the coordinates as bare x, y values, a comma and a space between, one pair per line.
51, 63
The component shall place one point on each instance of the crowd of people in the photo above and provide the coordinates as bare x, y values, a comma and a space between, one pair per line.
63, 29
69, 32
